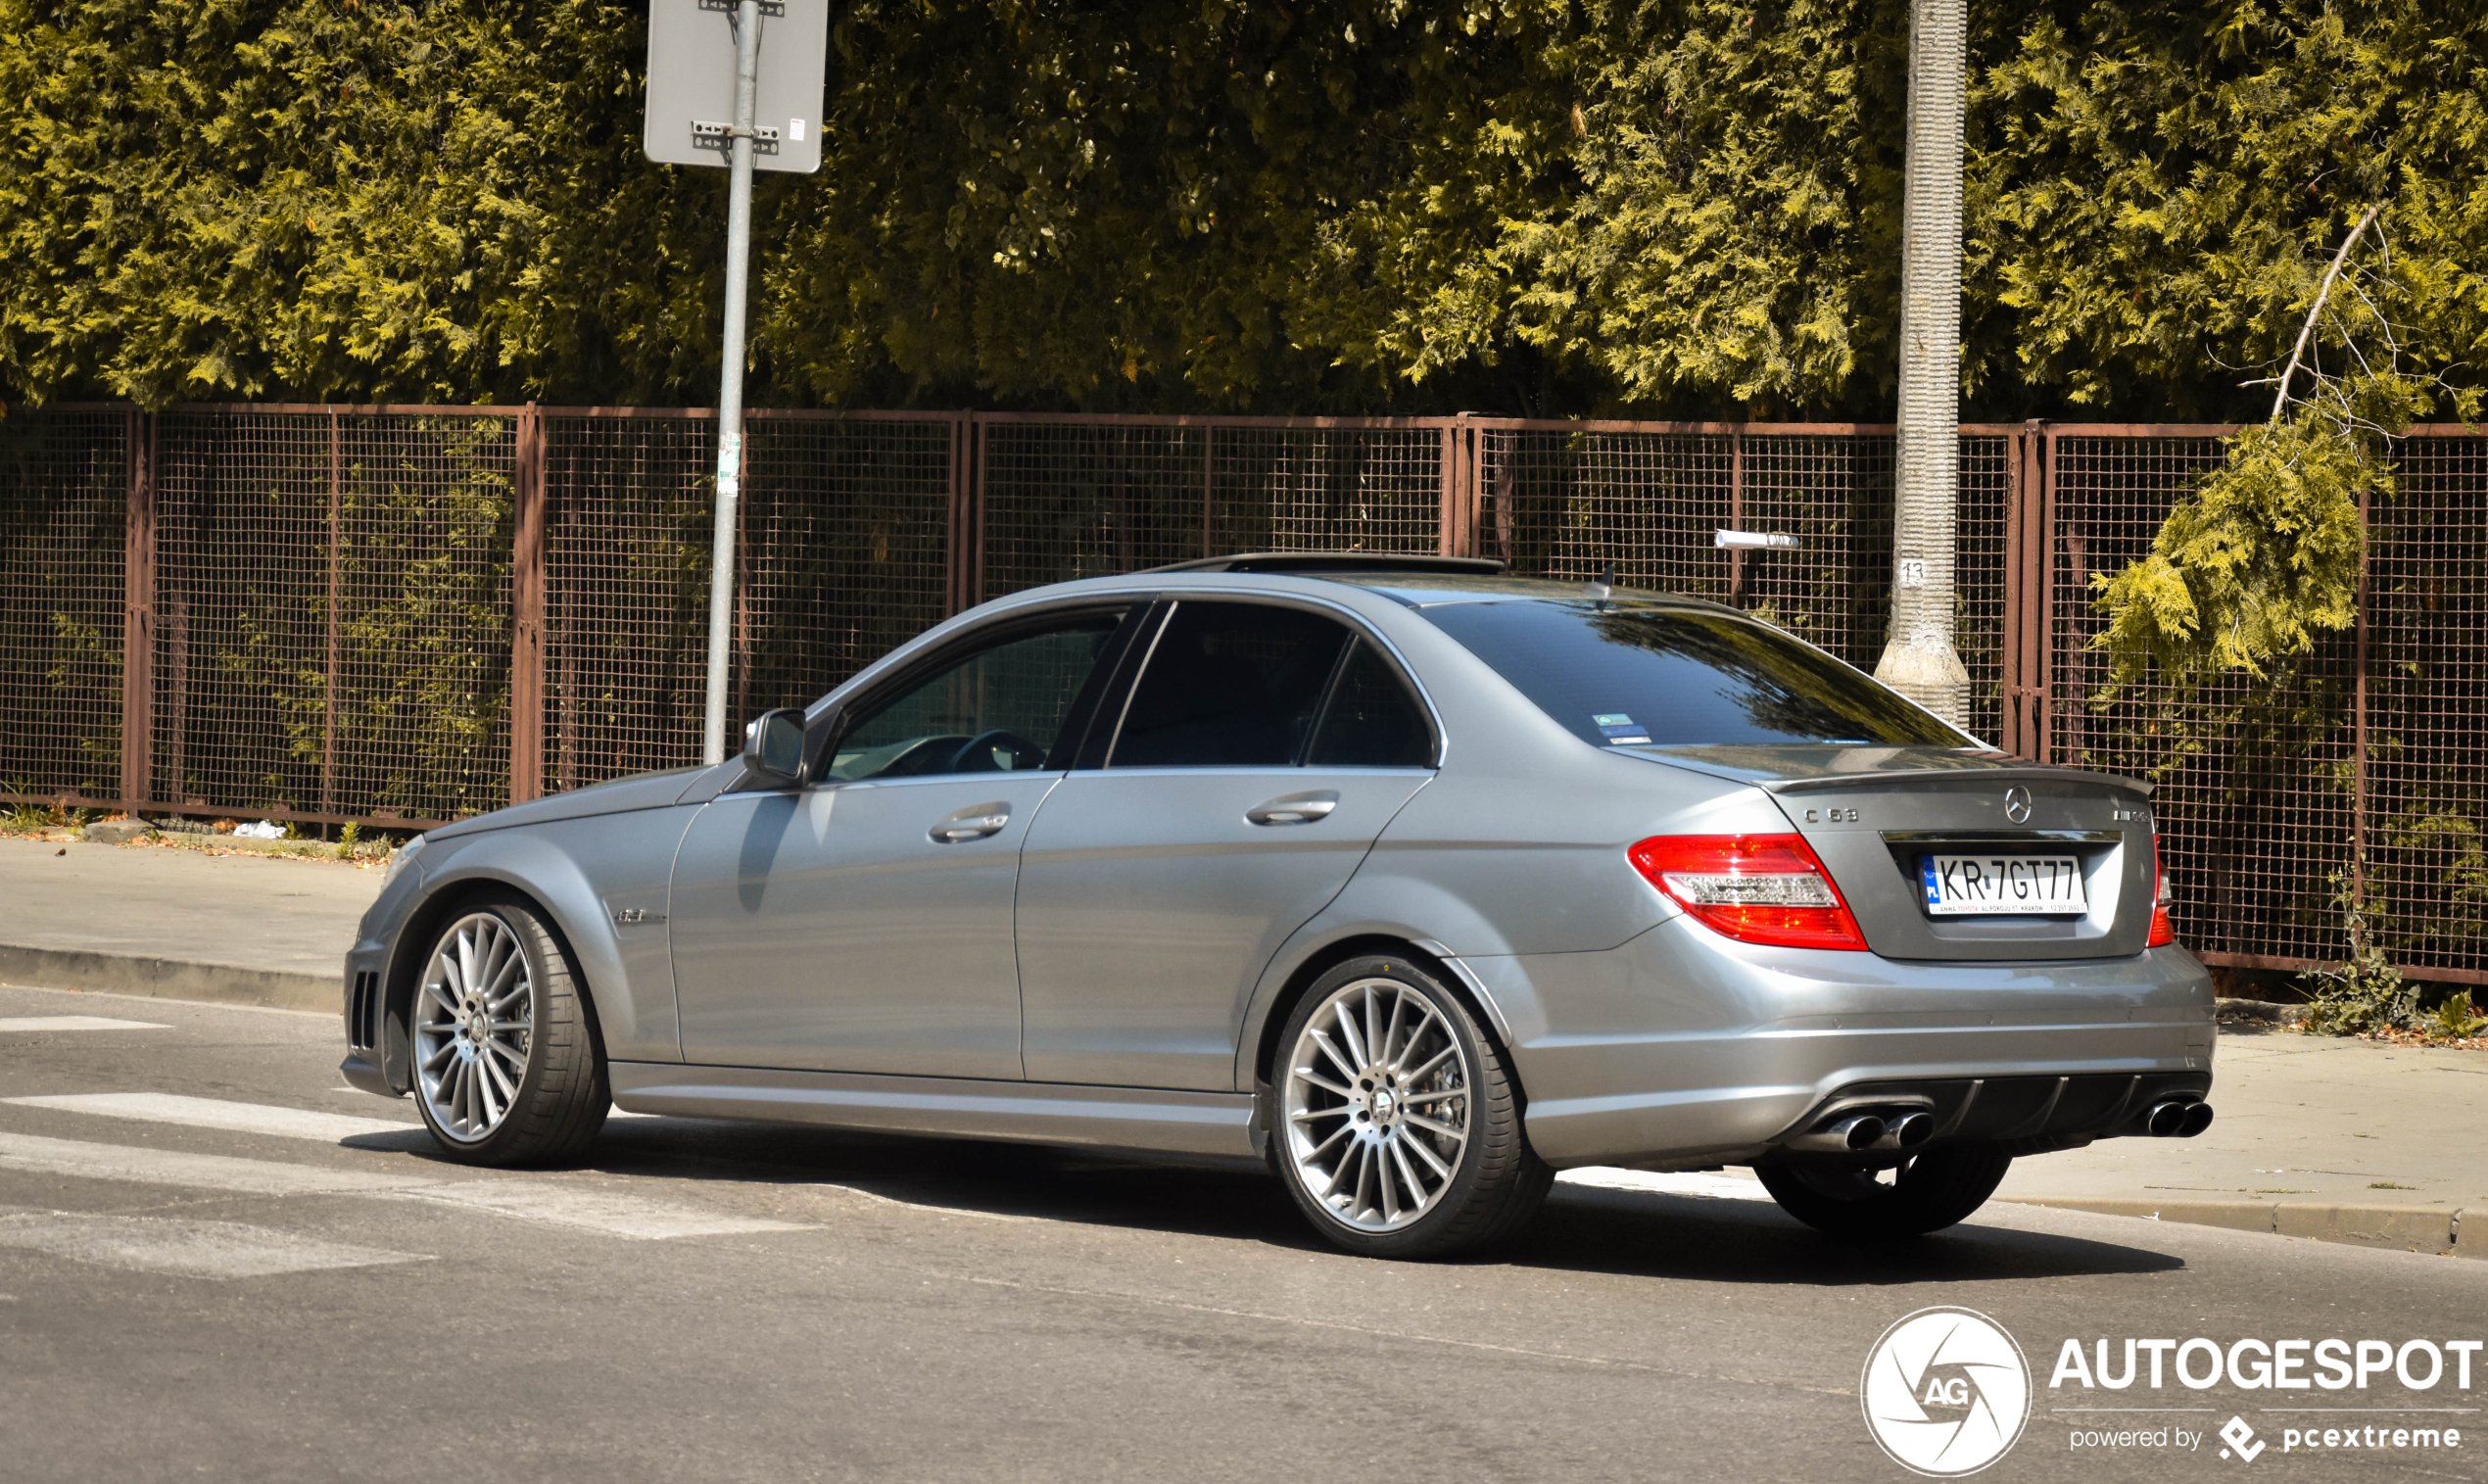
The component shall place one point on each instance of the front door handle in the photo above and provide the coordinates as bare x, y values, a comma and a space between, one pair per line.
974, 822
1294, 808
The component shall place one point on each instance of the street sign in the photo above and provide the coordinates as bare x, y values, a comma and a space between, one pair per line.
690, 85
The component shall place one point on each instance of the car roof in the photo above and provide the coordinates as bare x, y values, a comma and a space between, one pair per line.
1414, 580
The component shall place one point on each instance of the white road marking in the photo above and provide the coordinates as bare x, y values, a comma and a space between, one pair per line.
167, 1167
29, 1024
609, 1212
190, 1248
215, 1113
1712, 1186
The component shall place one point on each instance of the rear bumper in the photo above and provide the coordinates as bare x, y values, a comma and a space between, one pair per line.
1683, 1046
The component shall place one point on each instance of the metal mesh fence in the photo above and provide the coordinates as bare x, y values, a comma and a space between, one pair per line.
1069, 499
2427, 705
2254, 807
332, 599
335, 597
1559, 503
1064, 500
63, 494
628, 529
1325, 488
845, 548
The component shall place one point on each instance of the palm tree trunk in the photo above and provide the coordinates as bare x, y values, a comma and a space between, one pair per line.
1918, 659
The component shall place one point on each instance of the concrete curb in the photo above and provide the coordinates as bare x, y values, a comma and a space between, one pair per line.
170, 978
2399, 1228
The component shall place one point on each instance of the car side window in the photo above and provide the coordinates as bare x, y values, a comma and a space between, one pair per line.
1229, 685
999, 710
1373, 721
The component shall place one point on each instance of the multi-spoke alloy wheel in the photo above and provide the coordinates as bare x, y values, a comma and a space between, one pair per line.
1398, 1127
474, 1018
506, 1068
1377, 1105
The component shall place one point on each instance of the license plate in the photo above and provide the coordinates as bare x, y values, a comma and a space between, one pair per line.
1968, 885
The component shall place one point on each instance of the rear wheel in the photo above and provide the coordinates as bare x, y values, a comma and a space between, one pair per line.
1926, 1192
1398, 1122
507, 1069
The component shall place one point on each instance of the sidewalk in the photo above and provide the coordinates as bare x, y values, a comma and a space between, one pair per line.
153, 919
2342, 1141
2349, 1141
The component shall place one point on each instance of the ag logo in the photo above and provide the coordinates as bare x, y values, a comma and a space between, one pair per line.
1946, 1392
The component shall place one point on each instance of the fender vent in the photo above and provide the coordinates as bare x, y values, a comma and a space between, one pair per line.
362, 1011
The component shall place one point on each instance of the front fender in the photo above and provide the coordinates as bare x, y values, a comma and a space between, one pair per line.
585, 874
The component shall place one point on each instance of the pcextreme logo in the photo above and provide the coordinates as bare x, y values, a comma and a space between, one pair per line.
1946, 1392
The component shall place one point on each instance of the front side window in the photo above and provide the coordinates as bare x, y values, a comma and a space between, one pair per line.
999, 710
1230, 685
1629, 675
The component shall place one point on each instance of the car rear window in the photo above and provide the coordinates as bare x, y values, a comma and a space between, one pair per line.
1634, 675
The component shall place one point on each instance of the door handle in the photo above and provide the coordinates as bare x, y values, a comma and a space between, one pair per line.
1294, 808
968, 824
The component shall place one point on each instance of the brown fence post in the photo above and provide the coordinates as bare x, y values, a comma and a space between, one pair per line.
527, 597
2358, 723
329, 692
2025, 583
2043, 553
1447, 487
1736, 516
138, 617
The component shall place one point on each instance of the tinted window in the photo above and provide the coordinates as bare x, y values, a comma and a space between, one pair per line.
1372, 721
1229, 684
999, 710
1638, 675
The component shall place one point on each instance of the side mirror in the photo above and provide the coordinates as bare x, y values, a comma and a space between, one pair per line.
773, 747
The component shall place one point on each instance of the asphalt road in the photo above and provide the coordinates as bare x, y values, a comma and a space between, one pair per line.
205, 1274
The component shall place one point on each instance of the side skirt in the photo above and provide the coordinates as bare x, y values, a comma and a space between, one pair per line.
1038, 1113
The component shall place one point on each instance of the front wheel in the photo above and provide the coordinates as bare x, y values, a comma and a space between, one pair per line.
1398, 1122
506, 1068
1926, 1193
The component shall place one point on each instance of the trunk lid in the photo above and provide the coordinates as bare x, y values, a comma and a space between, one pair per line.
1873, 813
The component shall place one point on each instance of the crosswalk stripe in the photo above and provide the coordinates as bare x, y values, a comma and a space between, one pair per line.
189, 1248
29, 1024
608, 1212
1714, 1187
169, 1167
216, 1113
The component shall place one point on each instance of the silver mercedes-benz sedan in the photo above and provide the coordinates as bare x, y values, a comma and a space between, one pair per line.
1415, 880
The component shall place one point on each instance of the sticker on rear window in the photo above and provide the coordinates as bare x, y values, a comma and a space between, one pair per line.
1621, 731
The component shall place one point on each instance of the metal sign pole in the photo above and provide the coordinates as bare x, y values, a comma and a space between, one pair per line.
721, 571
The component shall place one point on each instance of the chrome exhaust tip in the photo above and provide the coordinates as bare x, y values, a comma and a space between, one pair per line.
2167, 1121
2198, 1116
1864, 1131
1908, 1131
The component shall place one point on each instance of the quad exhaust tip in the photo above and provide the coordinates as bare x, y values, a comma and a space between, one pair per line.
1862, 1133
1908, 1131
2176, 1121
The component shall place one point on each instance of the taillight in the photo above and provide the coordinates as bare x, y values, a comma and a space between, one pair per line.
2163, 931
1756, 888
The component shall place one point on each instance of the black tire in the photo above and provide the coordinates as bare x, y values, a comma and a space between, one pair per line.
561, 1095
1496, 1181
1930, 1192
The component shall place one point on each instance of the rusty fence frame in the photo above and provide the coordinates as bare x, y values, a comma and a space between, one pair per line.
2041, 559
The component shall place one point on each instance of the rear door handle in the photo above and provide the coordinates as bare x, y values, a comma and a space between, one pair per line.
1294, 808
974, 822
